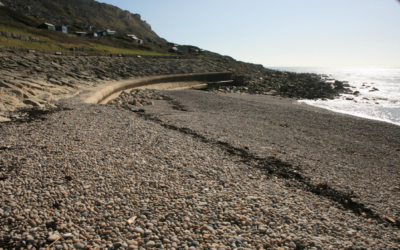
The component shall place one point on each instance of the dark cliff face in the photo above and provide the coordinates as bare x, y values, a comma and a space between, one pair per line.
84, 13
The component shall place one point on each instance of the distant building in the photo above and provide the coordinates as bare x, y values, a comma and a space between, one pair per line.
193, 51
173, 50
78, 33
107, 32
139, 41
63, 29
111, 32
93, 34
134, 37
102, 33
47, 26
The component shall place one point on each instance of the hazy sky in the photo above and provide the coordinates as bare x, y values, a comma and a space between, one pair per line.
281, 32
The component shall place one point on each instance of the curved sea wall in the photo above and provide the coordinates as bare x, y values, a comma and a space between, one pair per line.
34, 80
100, 93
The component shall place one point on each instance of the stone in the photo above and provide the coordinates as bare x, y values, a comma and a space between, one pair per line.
351, 233
132, 242
32, 102
46, 96
117, 244
68, 235
139, 230
131, 220
175, 239
150, 244
53, 237
296, 239
79, 245
30, 238
19, 217
16, 237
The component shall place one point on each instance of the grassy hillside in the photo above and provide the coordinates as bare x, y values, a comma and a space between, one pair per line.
16, 23
83, 14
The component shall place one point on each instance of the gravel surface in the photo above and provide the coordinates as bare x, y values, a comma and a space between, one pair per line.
169, 176
355, 157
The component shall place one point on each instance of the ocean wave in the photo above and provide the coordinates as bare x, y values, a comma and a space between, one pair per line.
379, 92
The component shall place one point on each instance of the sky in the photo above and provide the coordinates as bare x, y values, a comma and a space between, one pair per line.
281, 33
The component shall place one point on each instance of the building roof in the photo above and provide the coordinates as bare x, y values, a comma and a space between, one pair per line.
49, 24
108, 30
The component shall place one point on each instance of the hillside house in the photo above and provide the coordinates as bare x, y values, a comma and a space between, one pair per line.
173, 50
193, 51
149, 39
79, 33
107, 32
102, 33
111, 32
47, 26
93, 34
139, 41
63, 29
134, 37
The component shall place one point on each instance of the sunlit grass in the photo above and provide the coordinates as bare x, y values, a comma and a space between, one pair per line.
113, 50
56, 46
50, 45
22, 32
10, 42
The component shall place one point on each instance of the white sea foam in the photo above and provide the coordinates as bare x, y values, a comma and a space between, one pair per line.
382, 104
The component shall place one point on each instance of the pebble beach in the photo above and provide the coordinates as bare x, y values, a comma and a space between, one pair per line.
197, 170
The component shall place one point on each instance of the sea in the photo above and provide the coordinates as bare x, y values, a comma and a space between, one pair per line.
379, 88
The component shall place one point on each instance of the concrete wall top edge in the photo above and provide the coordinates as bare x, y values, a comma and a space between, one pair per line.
103, 91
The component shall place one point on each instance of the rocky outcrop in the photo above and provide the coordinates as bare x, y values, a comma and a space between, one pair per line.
260, 80
288, 84
31, 80
294, 85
